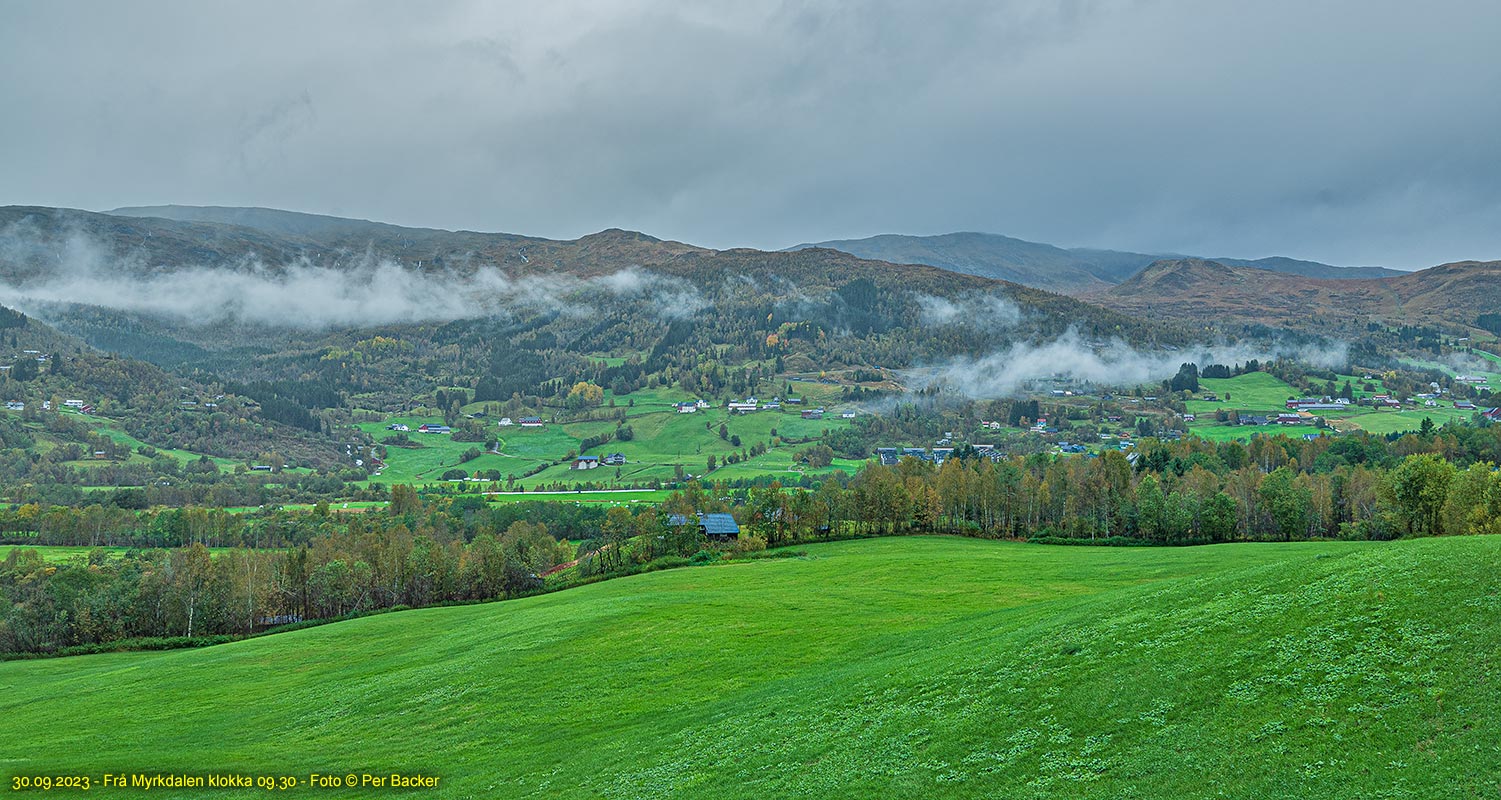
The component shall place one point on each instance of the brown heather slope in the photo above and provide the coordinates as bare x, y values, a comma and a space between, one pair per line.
33, 242
1218, 295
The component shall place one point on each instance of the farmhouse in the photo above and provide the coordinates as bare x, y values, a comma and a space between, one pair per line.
586, 462
687, 408
1492, 414
615, 460
428, 428
1464, 405
889, 455
505, 422
531, 422
813, 413
15, 406
715, 527
73, 403
746, 407
397, 426
847, 415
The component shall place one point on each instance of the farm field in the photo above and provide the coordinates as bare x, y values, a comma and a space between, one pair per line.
903, 667
611, 497
59, 553
663, 440
1253, 391
1260, 393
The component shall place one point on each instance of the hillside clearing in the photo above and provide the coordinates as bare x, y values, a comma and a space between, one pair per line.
1334, 670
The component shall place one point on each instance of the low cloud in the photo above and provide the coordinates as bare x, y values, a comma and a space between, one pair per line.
302, 295
987, 310
1115, 363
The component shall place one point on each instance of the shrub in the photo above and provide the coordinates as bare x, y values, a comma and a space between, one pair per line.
749, 543
704, 557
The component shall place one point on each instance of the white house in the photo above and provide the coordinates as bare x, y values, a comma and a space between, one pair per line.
505, 422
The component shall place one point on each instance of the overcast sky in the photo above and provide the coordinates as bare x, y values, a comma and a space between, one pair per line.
1353, 132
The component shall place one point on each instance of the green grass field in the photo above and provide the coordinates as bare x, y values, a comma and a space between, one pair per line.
58, 553
1253, 391
1260, 393
916, 667
663, 440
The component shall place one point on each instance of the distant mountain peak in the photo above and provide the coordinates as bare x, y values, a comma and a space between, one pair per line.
1077, 271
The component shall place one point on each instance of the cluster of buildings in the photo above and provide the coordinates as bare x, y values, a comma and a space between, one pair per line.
526, 422
890, 456
77, 405
751, 405
594, 462
1318, 404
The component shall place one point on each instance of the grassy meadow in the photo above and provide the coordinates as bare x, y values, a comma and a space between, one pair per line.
1261, 393
663, 441
914, 667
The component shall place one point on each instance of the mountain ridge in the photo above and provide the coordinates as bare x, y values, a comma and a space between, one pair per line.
1046, 266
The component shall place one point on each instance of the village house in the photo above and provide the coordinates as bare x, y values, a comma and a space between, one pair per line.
813, 413
847, 415
586, 462
505, 422
747, 407
429, 428
531, 422
687, 408
615, 460
717, 527
15, 406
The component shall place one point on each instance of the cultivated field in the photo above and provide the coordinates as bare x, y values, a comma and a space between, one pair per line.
905, 668
1261, 393
663, 441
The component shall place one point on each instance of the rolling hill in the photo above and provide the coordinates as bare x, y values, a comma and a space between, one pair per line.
1071, 271
1213, 292
610, 293
901, 668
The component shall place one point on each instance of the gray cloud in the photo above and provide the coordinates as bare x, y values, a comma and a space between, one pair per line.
369, 291
984, 310
1348, 131
1115, 363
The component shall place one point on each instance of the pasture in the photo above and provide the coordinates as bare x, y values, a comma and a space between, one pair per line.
663, 440
892, 668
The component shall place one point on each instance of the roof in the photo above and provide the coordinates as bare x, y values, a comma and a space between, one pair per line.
719, 524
